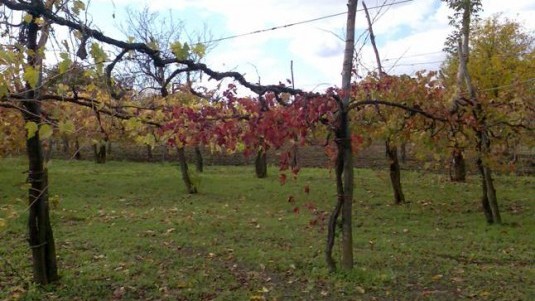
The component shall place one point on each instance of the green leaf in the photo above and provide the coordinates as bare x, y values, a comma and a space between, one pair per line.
97, 53
3, 90
132, 124
180, 51
45, 131
65, 64
31, 76
31, 128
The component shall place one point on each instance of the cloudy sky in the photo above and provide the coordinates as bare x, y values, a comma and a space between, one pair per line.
410, 35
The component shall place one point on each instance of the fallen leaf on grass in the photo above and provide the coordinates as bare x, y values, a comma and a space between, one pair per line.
150, 233
264, 290
118, 293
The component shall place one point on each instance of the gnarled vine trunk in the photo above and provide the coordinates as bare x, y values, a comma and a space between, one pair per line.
199, 162
344, 160
78, 150
190, 186
485, 205
395, 172
403, 152
41, 238
100, 152
489, 201
457, 166
260, 163
149, 152
65, 144
294, 159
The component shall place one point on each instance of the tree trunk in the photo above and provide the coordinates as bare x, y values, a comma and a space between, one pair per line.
331, 227
199, 162
403, 152
489, 199
395, 173
165, 153
457, 166
485, 205
294, 162
491, 194
261, 163
78, 150
149, 152
65, 141
347, 207
190, 186
48, 146
41, 238
100, 152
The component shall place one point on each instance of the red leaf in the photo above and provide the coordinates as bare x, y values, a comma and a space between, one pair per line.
282, 178
296, 210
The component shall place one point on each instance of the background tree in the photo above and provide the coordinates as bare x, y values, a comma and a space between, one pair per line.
501, 60
478, 112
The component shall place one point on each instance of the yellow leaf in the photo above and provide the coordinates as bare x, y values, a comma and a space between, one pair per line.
2, 223
150, 140
66, 127
54, 201
45, 131
78, 6
31, 76
199, 50
28, 18
31, 128
40, 21
437, 277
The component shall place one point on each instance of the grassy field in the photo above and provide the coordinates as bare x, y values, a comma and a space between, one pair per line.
128, 231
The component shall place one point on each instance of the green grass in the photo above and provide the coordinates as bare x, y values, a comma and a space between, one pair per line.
128, 230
